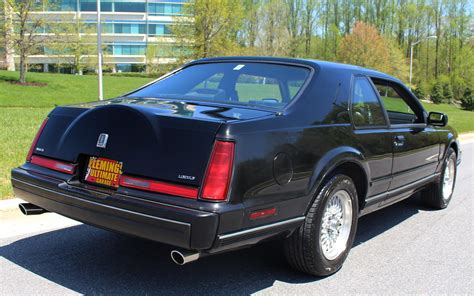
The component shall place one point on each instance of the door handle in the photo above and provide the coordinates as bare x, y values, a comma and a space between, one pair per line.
399, 141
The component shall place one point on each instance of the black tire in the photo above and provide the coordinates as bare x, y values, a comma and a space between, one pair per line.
433, 195
303, 250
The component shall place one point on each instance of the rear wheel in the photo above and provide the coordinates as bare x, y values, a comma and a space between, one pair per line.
439, 194
321, 245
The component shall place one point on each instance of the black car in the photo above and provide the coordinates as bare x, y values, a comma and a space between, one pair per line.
225, 153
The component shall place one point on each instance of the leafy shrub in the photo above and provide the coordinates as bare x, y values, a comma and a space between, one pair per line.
419, 93
437, 95
448, 93
467, 100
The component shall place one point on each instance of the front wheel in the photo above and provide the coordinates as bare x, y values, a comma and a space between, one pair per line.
439, 194
320, 246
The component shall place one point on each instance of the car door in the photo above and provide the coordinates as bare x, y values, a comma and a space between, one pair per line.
415, 145
371, 135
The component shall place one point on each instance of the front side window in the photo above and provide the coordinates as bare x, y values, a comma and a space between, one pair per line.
399, 112
366, 108
252, 84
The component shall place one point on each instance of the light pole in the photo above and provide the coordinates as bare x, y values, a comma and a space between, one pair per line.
411, 52
99, 52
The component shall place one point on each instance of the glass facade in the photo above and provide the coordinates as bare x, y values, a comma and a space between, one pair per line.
126, 49
164, 9
160, 8
154, 19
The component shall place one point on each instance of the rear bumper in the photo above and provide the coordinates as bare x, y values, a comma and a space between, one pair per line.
176, 225
165, 223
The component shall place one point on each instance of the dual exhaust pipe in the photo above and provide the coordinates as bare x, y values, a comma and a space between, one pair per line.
182, 257
179, 257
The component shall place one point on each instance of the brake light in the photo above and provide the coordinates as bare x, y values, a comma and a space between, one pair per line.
158, 186
219, 171
59, 166
35, 140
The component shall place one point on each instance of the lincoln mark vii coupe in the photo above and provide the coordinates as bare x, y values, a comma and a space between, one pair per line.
224, 153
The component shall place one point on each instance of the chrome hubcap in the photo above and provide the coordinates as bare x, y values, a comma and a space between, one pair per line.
448, 179
336, 224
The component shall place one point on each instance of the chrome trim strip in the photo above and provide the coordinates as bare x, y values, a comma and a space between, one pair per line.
401, 189
97, 204
260, 228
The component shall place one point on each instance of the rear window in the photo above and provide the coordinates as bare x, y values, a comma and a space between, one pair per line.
251, 84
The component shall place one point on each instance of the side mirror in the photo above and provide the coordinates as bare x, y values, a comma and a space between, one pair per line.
437, 119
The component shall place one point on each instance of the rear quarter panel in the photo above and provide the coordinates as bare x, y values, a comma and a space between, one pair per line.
313, 127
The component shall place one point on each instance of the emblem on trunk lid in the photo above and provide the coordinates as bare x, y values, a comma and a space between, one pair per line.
186, 177
102, 140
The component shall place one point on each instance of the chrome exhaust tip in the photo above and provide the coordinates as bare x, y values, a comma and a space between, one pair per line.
31, 209
182, 257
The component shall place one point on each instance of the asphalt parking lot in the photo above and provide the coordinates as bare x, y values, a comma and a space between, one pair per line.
405, 248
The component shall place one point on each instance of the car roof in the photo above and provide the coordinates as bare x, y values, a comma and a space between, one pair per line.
322, 65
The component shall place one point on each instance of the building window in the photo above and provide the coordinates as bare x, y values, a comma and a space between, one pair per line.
129, 29
158, 30
64, 5
129, 7
164, 9
129, 50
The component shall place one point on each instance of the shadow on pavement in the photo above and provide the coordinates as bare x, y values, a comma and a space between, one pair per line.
94, 261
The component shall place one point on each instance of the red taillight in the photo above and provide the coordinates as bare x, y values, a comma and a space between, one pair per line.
35, 140
160, 187
59, 166
219, 171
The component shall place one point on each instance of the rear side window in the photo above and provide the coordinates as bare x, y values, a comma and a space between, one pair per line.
366, 108
252, 84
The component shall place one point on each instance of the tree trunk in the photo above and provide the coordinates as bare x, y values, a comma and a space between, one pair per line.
9, 50
22, 69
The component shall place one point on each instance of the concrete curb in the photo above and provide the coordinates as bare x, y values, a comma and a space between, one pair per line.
466, 136
11, 204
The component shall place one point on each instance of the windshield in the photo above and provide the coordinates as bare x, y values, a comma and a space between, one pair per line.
248, 84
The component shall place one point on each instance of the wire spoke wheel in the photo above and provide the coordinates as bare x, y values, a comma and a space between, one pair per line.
336, 225
448, 179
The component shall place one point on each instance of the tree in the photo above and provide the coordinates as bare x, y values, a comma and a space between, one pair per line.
274, 36
467, 100
448, 93
156, 53
309, 20
26, 25
437, 96
364, 47
396, 64
74, 44
251, 22
419, 93
6, 31
294, 26
209, 27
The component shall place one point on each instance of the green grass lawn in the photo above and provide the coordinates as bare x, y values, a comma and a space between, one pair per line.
461, 120
23, 108
61, 89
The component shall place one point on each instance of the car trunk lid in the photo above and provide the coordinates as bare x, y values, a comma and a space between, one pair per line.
162, 140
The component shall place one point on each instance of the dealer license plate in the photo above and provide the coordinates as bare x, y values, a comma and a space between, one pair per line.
103, 171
